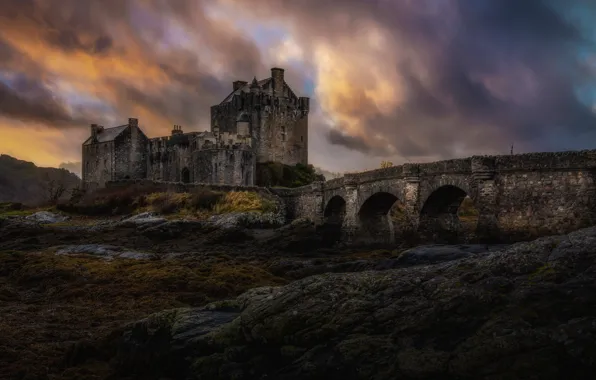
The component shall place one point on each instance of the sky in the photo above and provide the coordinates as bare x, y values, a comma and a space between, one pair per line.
389, 80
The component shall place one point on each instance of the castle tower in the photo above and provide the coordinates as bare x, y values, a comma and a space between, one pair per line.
274, 116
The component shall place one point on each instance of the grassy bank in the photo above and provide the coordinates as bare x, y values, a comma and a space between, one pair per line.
200, 203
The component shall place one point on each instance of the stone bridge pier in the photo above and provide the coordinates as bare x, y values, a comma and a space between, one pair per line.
516, 197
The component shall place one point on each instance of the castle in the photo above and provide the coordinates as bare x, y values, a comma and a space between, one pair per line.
263, 121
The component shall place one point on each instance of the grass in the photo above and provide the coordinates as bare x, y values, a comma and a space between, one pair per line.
207, 203
8, 209
49, 301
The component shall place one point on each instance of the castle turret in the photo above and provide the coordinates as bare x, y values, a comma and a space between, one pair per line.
304, 104
277, 76
133, 122
254, 86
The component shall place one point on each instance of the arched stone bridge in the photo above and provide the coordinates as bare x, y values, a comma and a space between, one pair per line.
517, 196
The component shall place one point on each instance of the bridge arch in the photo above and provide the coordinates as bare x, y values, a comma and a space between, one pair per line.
442, 218
333, 219
374, 221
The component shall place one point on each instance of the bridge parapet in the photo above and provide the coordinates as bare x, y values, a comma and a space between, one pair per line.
456, 166
483, 167
570, 160
297, 191
375, 175
334, 183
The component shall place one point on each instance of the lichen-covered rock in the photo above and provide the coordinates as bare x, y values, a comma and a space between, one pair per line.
102, 250
247, 220
144, 219
46, 217
524, 312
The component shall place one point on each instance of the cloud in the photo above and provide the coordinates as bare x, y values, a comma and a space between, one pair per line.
438, 78
405, 80
73, 167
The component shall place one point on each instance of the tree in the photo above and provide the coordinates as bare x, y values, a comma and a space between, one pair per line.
386, 164
54, 190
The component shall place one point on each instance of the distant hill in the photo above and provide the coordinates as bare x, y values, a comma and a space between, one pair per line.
24, 182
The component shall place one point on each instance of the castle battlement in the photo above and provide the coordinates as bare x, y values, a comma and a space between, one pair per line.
259, 121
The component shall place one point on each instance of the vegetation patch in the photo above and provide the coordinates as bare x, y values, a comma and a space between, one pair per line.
275, 174
49, 301
199, 203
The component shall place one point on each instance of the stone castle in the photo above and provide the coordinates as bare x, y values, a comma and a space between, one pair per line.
260, 122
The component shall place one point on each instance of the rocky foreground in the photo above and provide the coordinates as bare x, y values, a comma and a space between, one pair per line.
525, 311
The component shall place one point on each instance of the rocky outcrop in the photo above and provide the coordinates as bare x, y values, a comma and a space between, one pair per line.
527, 311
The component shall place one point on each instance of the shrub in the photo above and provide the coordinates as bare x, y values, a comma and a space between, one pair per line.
166, 203
243, 201
109, 201
204, 199
272, 174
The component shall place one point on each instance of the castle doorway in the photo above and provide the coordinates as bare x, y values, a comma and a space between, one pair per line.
185, 175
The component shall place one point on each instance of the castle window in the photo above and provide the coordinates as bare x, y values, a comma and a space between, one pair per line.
301, 138
283, 133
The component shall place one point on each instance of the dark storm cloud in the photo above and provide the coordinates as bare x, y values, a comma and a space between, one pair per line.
29, 100
475, 75
351, 142
117, 28
68, 40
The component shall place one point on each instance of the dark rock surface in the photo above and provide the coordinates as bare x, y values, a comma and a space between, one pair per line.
527, 311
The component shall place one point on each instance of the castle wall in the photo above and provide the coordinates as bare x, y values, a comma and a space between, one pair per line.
284, 136
224, 166
225, 115
98, 163
166, 161
130, 152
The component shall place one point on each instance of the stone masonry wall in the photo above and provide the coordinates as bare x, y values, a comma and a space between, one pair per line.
224, 166
304, 202
284, 132
130, 153
98, 163
165, 161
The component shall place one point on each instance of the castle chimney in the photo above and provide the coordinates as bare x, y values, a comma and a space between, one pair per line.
239, 84
94, 131
133, 122
177, 130
277, 75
